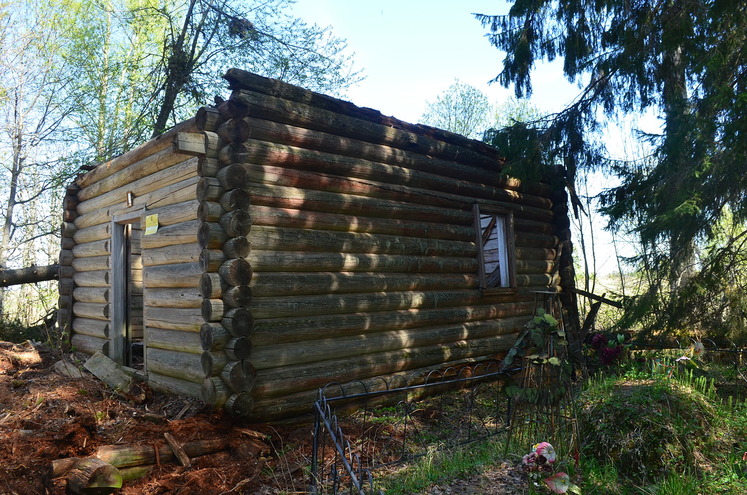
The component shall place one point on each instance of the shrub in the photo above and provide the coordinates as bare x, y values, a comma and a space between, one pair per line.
646, 428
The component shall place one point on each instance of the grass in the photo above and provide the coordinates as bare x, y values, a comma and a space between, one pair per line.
699, 436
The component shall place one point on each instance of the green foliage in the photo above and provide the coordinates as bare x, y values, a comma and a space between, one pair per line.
683, 60
462, 109
17, 332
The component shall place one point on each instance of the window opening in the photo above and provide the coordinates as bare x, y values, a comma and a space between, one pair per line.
495, 238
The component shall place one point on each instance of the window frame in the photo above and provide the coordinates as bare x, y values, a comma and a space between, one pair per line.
510, 256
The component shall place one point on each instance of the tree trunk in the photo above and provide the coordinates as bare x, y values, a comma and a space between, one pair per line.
27, 275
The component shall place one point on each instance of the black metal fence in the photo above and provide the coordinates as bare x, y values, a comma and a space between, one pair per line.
397, 420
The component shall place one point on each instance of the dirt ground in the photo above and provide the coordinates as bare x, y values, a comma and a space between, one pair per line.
45, 416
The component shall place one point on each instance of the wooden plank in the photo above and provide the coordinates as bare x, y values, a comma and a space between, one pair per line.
109, 372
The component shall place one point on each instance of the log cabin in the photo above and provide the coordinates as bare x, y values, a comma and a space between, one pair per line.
282, 239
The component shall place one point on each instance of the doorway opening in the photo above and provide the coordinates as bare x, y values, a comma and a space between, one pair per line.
127, 344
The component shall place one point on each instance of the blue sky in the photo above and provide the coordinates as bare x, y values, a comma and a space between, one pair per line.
412, 50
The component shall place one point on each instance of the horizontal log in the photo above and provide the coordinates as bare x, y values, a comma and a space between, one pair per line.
332, 202
92, 294
174, 340
266, 284
69, 215
234, 130
159, 180
95, 248
171, 276
29, 275
301, 261
98, 232
181, 297
281, 239
239, 376
353, 346
144, 168
213, 143
65, 301
94, 328
185, 319
238, 321
214, 391
310, 305
298, 328
179, 234
88, 344
96, 311
213, 337
175, 213
64, 271
293, 218
92, 263
321, 119
213, 363
182, 365
151, 147
529, 239
171, 385
167, 255
98, 278
290, 379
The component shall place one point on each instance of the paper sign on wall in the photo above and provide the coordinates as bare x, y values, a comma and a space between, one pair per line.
151, 224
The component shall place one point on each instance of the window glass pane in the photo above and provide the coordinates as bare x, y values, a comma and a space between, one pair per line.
495, 250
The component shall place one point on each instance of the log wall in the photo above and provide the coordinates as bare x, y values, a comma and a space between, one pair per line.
303, 240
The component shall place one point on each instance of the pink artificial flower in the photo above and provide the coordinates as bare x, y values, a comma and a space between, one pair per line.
545, 450
558, 482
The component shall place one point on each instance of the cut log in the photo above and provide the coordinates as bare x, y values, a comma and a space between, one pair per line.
236, 271
123, 456
91, 264
213, 363
234, 130
208, 119
211, 235
95, 248
213, 337
212, 259
66, 286
66, 257
98, 232
174, 213
210, 211
190, 143
93, 476
98, 278
172, 385
237, 296
184, 297
208, 167
235, 199
214, 391
238, 321
213, 309
96, 311
109, 372
237, 247
209, 189
240, 376
28, 275
238, 349
212, 286
236, 223
88, 344
240, 404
